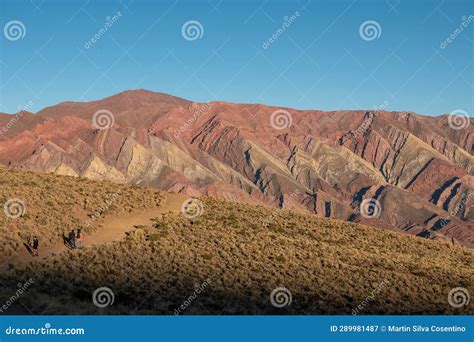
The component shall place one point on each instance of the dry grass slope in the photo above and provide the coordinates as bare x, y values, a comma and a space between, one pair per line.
56, 204
329, 266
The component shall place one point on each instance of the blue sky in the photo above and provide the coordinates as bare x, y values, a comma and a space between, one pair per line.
318, 60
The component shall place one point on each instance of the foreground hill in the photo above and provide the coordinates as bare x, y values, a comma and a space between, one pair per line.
419, 169
49, 206
228, 257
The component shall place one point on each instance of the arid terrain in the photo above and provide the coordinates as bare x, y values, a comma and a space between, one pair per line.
418, 170
49, 206
219, 257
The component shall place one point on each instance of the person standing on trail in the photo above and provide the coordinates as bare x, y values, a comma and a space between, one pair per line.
79, 238
35, 246
72, 238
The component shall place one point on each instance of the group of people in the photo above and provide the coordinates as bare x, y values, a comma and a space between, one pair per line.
76, 238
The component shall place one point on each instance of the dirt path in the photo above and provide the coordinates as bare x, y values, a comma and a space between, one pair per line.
114, 229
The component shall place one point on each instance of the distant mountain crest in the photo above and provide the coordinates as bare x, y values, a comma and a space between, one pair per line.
414, 172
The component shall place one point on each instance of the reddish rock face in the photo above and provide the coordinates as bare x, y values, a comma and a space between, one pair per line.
407, 172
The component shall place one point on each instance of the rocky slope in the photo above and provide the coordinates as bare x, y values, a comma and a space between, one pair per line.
417, 171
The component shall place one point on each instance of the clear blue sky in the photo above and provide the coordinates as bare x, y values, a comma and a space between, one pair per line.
319, 61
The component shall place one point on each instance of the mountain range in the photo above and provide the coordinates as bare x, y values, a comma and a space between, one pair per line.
394, 170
